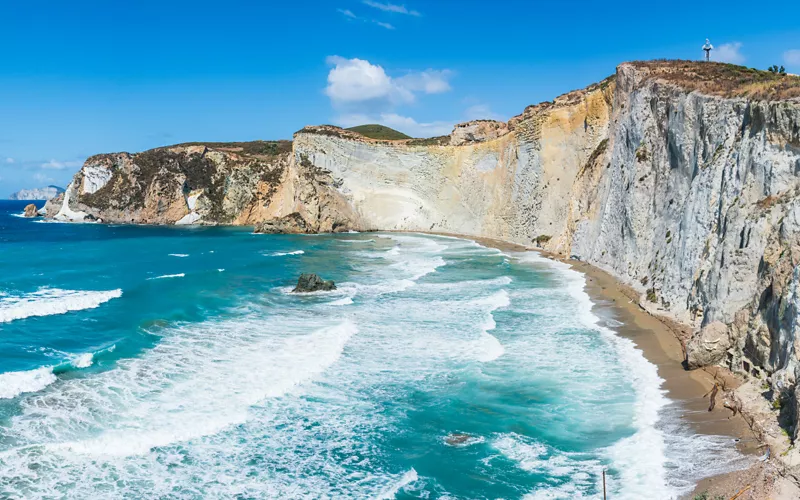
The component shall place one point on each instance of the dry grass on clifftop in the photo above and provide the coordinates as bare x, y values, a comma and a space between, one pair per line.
726, 80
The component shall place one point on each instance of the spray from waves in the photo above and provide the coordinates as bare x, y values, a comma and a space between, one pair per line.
166, 276
356, 241
49, 301
179, 255
405, 480
341, 302
85, 360
491, 348
198, 381
284, 254
12, 384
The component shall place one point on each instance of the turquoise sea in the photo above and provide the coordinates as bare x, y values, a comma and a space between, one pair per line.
162, 362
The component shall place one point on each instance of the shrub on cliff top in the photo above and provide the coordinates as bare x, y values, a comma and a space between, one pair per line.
379, 132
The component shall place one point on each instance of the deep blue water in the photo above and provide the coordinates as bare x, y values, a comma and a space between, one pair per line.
162, 362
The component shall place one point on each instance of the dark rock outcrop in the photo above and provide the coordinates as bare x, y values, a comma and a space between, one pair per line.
293, 223
313, 283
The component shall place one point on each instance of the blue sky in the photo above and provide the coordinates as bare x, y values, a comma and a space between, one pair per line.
81, 77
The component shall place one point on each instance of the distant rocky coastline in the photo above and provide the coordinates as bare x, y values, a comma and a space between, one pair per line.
44, 193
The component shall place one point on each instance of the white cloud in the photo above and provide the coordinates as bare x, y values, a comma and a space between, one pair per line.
792, 57
405, 124
347, 13
482, 112
60, 165
356, 83
40, 177
384, 25
388, 7
429, 81
729, 53
9, 160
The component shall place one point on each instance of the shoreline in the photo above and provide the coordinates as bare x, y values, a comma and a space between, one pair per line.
660, 345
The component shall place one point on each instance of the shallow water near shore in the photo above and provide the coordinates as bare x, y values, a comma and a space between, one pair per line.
174, 362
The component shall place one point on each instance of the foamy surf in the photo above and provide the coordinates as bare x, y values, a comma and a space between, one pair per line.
12, 384
641, 458
179, 255
284, 254
50, 301
406, 479
164, 408
167, 276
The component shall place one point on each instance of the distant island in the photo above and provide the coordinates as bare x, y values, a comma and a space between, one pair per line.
44, 193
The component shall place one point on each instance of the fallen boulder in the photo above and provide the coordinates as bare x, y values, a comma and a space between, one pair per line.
708, 346
313, 283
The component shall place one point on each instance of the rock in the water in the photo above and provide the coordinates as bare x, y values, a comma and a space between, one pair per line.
313, 283
457, 439
31, 210
293, 223
708, 346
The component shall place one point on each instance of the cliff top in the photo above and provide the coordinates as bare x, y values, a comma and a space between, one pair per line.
380, 132
721, 79
250, 148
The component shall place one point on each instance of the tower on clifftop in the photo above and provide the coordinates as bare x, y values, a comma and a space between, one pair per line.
708, 48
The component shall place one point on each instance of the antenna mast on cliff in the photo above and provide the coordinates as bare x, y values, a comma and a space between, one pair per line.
708, 48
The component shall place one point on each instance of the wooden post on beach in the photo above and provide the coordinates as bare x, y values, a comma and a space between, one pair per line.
604, 484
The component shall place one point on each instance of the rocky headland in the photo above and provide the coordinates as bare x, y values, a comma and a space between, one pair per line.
680, 179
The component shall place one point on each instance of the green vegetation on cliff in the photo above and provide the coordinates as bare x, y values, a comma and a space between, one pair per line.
379, 132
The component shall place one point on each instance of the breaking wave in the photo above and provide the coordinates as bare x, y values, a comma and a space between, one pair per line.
49, 301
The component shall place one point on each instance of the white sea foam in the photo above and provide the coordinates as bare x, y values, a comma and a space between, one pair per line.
407, 479
283, 254
165, 276
221, 270
161, 408
341, 302
49, 301
84, 360
179, 255
639, 459
490, 347
12, 384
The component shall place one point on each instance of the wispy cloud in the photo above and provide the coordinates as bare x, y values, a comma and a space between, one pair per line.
362, 92
60, 165
729, 53
389, 7
10, 160
357, 84
40, 177
482, 112
792, 57
349, 14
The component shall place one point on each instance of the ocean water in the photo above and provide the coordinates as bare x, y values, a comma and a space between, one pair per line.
162, 362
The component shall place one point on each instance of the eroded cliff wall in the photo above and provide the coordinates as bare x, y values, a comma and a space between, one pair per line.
681, 179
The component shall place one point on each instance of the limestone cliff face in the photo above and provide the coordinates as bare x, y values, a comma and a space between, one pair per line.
510, 182
697, 205
660, 175
214, 183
